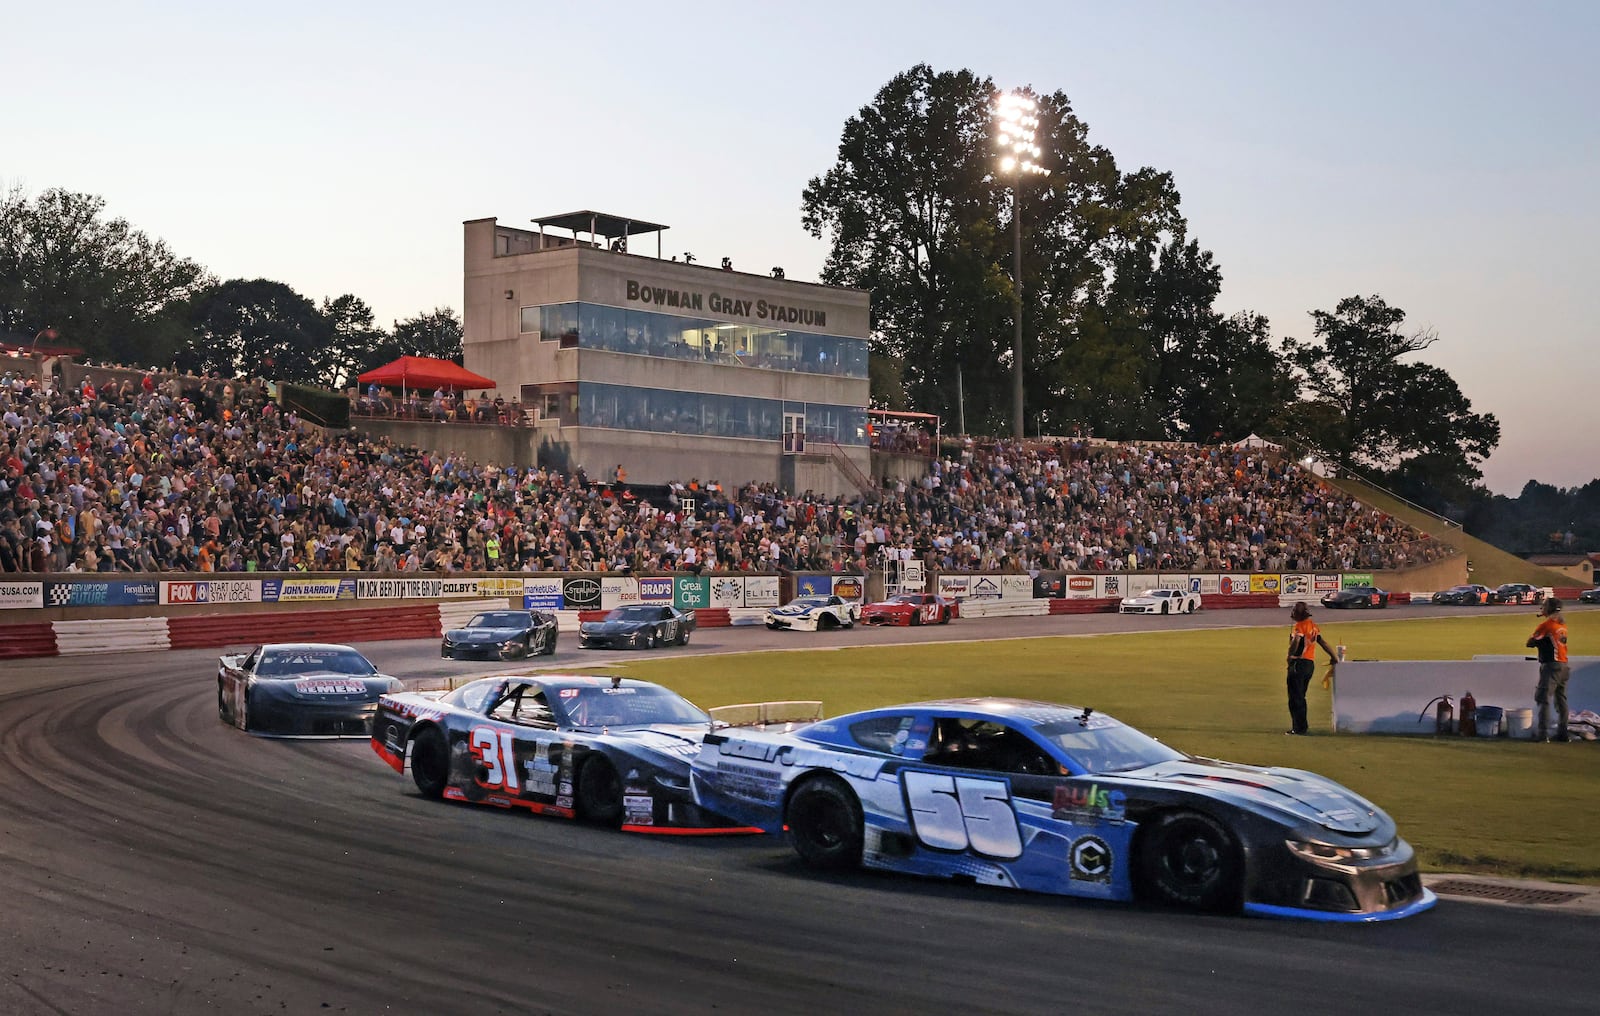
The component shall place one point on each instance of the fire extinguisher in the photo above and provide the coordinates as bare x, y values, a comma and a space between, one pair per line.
1469, 716
1441, 716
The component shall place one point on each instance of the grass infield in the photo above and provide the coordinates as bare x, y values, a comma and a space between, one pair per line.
1494, 806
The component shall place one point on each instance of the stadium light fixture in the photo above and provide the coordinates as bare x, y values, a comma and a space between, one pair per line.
1016, 122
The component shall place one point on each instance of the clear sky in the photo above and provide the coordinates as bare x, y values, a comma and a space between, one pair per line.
1443, 155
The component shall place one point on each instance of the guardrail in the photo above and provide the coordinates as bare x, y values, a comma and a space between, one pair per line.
130, 635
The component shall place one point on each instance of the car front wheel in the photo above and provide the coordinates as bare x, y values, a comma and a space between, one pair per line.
824, 820
1189, 860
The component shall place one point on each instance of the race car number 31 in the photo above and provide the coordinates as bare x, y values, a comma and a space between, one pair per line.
960, 813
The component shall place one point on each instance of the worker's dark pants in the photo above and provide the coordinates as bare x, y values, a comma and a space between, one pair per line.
1300, 673
1552, 683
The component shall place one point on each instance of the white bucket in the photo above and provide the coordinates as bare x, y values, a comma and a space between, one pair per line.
1519, 722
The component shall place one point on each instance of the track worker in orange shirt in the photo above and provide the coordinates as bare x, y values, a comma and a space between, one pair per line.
1550, 638
1303, 642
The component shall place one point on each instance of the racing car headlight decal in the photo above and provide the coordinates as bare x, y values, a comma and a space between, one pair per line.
1313, 851
512, 644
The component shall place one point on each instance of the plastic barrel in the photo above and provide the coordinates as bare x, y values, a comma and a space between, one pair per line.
1489, 719
1519, 722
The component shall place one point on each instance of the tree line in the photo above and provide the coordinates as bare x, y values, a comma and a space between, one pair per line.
1123, 336
95, 283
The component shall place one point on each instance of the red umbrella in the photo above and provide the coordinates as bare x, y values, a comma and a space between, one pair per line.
425, 372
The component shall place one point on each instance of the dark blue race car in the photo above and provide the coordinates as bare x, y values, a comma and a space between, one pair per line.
1059, 799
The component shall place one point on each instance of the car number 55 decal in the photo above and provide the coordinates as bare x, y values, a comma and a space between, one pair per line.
961, 813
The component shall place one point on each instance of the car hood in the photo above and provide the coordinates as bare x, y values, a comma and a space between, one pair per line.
612, 627
482, 634
1304, 795
796, 611
680, 742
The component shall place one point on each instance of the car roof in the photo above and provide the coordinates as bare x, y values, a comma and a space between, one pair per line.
305, 645
1025, 711
569, 680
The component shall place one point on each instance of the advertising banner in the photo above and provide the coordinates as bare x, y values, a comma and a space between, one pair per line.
581, 594
912, 573
955, 587
653, 589
1049, 585
112, 593
541, 594
1138, 583
1081, 587
849, 587
495, 587
211, 591
761, 591
812, 584
1233, 585
1171, 580
1016, 587
437, 588
617, 590
1211, 584
1357, 579
1297, 585
691, 592
727, 592
1266, 584
1325, 584
984, 587
301, 590
21, 594
1111, 587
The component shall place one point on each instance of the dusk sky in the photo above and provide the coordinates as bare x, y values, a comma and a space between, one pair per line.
1442, 155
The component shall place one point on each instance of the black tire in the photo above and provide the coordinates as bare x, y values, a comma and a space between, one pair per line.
430, 762
1189, 860
916, 618
549, 645
772, 626
527, 645
827, 622
599, 792
944, 618
1163, 607
242, 718
223, 713
652, 638
825, 824
683, 635
1188, 608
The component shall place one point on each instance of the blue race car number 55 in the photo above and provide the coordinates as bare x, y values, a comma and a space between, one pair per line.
961, 813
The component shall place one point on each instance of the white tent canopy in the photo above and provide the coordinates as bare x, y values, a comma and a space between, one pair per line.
1257, 441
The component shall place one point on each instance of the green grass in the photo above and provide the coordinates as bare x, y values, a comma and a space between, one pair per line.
1494, 806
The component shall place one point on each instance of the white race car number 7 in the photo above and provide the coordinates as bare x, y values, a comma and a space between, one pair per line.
962, 813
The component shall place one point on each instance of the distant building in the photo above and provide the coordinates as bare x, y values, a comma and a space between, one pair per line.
1578, 566
672, 369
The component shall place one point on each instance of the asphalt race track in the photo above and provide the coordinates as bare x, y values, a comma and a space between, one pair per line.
153, 860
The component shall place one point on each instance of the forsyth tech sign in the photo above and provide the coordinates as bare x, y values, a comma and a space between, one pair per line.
723, 306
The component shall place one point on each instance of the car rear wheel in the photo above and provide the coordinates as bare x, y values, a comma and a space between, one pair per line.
223, 712
1163, 608
430, 762
599, 792
1189, 860
824, 820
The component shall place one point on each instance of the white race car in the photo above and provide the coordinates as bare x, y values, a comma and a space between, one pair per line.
815, 613
1160, 601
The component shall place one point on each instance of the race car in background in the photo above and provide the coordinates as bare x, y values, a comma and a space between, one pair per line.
612, 751
818, 612
1160, 601
300, 688
910, 609
1363, 597
638, 626
502, 635
1590, 595
1518, 592
1470, 595
1061, 799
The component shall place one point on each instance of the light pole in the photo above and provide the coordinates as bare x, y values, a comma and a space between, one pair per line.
1015, 123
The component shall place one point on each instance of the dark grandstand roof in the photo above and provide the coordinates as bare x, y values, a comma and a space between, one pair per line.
599, 223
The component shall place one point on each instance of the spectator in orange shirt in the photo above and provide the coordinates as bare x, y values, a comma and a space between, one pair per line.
1550, 638
1303, 642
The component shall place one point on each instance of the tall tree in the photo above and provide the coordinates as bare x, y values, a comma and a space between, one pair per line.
354, 341
435, 333
249, 327
1369, 409
104, 286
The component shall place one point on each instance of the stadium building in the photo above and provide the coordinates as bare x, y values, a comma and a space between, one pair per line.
671, 369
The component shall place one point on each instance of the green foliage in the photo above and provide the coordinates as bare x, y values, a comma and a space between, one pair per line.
1539, 519
251, 327
1501, 806
105, 287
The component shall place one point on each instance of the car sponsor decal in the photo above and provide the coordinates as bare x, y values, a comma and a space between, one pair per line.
328, 686
1091, 859
1090, 804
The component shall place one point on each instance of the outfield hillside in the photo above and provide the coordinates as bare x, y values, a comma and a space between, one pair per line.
1490, 565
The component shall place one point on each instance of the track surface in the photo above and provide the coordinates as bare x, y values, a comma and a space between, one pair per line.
153, 860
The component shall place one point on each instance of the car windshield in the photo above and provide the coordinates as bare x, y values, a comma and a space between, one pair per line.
289, 662
499, 619
906, 598
809, 601
627, 706
635, 613
1103, 745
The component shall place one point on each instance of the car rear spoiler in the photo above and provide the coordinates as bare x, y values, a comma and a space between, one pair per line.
767, 715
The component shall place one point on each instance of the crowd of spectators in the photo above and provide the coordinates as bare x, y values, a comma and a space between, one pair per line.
439, 407
207, 474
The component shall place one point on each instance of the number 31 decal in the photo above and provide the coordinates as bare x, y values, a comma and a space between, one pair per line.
961, 813
493, 749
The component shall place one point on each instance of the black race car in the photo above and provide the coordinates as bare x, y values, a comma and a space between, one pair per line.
638, 626
1365, 597
613, 751
1590, 595
1471, 595
502, 635
1518, 592
304, 688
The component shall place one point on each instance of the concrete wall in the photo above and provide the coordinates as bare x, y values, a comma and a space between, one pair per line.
1452, 571
485, 443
